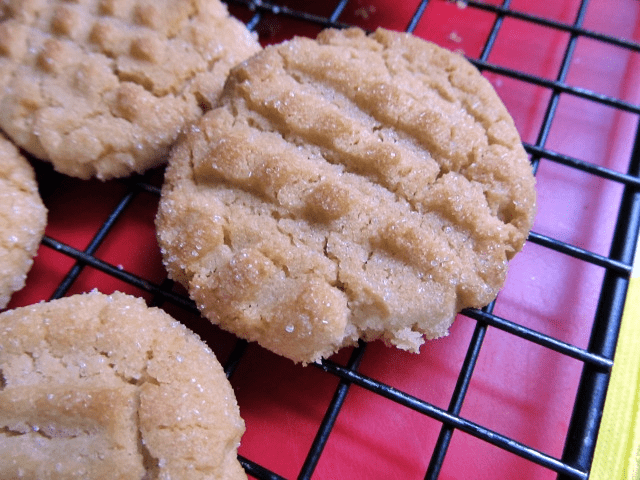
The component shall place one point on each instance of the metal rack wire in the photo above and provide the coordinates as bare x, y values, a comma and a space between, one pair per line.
596, 359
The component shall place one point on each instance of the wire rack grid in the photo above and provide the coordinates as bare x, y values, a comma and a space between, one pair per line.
564, 72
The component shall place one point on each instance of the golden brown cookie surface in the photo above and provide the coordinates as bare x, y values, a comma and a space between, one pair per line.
22, 220
98, 386
349, 187
103, 87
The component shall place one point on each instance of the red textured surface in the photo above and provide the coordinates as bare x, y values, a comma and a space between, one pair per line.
518, 389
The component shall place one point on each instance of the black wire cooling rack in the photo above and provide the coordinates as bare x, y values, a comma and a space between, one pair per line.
596, 359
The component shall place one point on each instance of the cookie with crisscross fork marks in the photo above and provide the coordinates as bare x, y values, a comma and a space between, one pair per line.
347, 187
103, 87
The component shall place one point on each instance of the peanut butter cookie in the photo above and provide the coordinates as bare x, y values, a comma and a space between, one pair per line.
97, 386
103, 87
23, 218
353, 186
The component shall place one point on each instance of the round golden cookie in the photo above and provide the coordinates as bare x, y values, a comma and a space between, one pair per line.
103, 87
97, 386
347, 187
23, 218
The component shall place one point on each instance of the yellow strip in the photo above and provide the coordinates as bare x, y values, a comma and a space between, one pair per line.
617, 454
